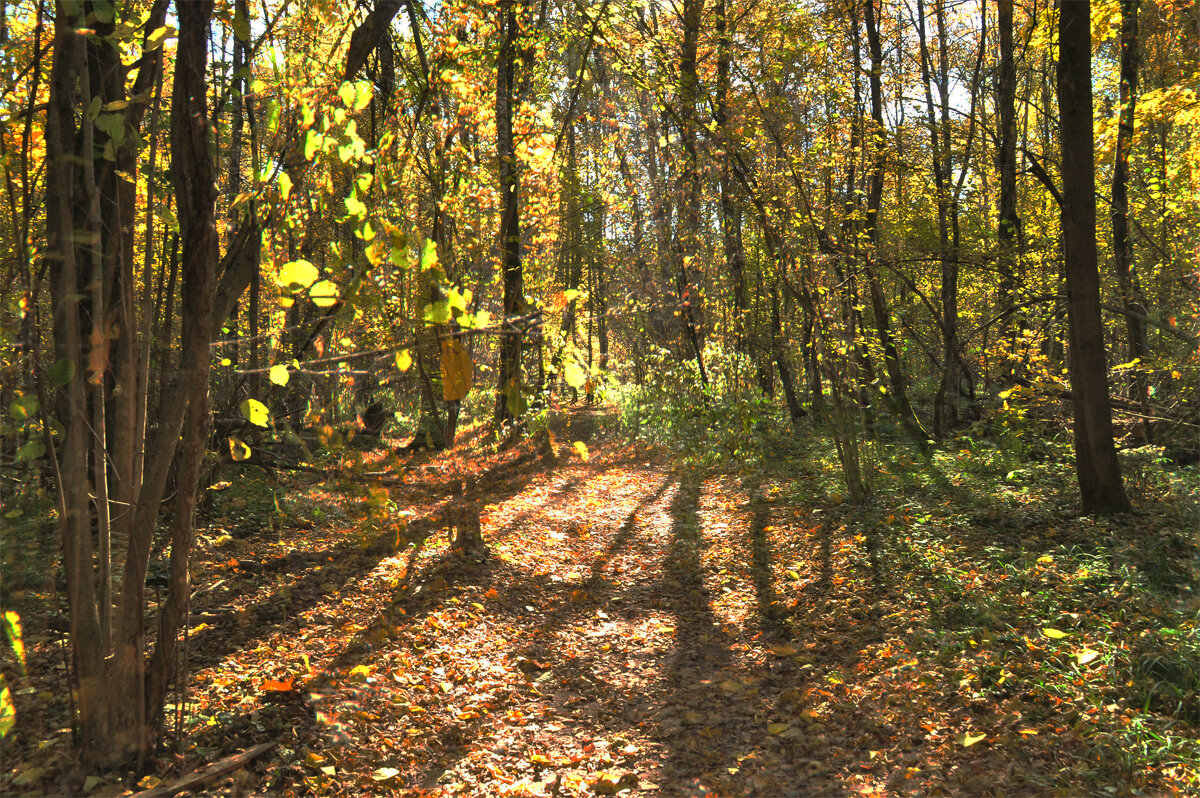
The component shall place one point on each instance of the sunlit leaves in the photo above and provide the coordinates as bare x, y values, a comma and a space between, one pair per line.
312, 143
255, 412
158, 37
575, 376
297, 275
354, 206
10, 622
8, 710
404, 360
324, 294
355, 96
429, 256
279, 374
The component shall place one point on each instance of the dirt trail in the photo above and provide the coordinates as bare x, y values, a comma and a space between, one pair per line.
595, 650
632, 630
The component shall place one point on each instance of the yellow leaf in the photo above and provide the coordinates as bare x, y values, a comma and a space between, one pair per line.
581, 449
238, 450
404, 360
966, 739
1054, 634
280, 374
359, 673
384, 774
297, 274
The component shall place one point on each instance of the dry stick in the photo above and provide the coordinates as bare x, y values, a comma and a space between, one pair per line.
208, 773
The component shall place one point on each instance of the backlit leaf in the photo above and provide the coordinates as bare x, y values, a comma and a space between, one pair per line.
238, 450
296, 275
324, 294
255, 412
404, 360
280, 374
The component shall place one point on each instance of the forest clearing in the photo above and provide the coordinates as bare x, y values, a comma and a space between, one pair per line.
600, 397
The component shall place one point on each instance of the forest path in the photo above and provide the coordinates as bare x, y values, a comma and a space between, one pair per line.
633, 628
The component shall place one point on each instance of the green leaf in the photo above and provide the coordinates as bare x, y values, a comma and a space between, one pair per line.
63, 372
280, 374
297, 274
112, 124
32, 450
404, 360
574, 375
437, 313
255, 412
324, 294
8, 710
1054, 634
241, 26
238, 450
23, 408
11, 623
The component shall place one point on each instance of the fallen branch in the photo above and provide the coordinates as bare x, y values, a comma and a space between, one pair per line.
208, 773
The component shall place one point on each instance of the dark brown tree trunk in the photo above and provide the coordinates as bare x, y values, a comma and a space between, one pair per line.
508, 399
1008, 229
687, 244
731, 214
1096, 465
68, 90
1131, 295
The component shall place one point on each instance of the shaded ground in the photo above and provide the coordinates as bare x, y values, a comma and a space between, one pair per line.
633, 629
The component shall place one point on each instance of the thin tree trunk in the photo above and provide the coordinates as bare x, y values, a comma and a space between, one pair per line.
508, 398
882, 317
687, 244
1008, 229
1132, 299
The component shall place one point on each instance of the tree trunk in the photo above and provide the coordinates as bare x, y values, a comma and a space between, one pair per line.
1132, 299
882, 317
1096, 465
687, 243
731, 214
1008, 226
509, 399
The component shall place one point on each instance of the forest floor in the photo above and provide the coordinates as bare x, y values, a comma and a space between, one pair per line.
638, 627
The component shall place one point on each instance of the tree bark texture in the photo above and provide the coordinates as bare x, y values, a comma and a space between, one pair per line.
1096, 465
